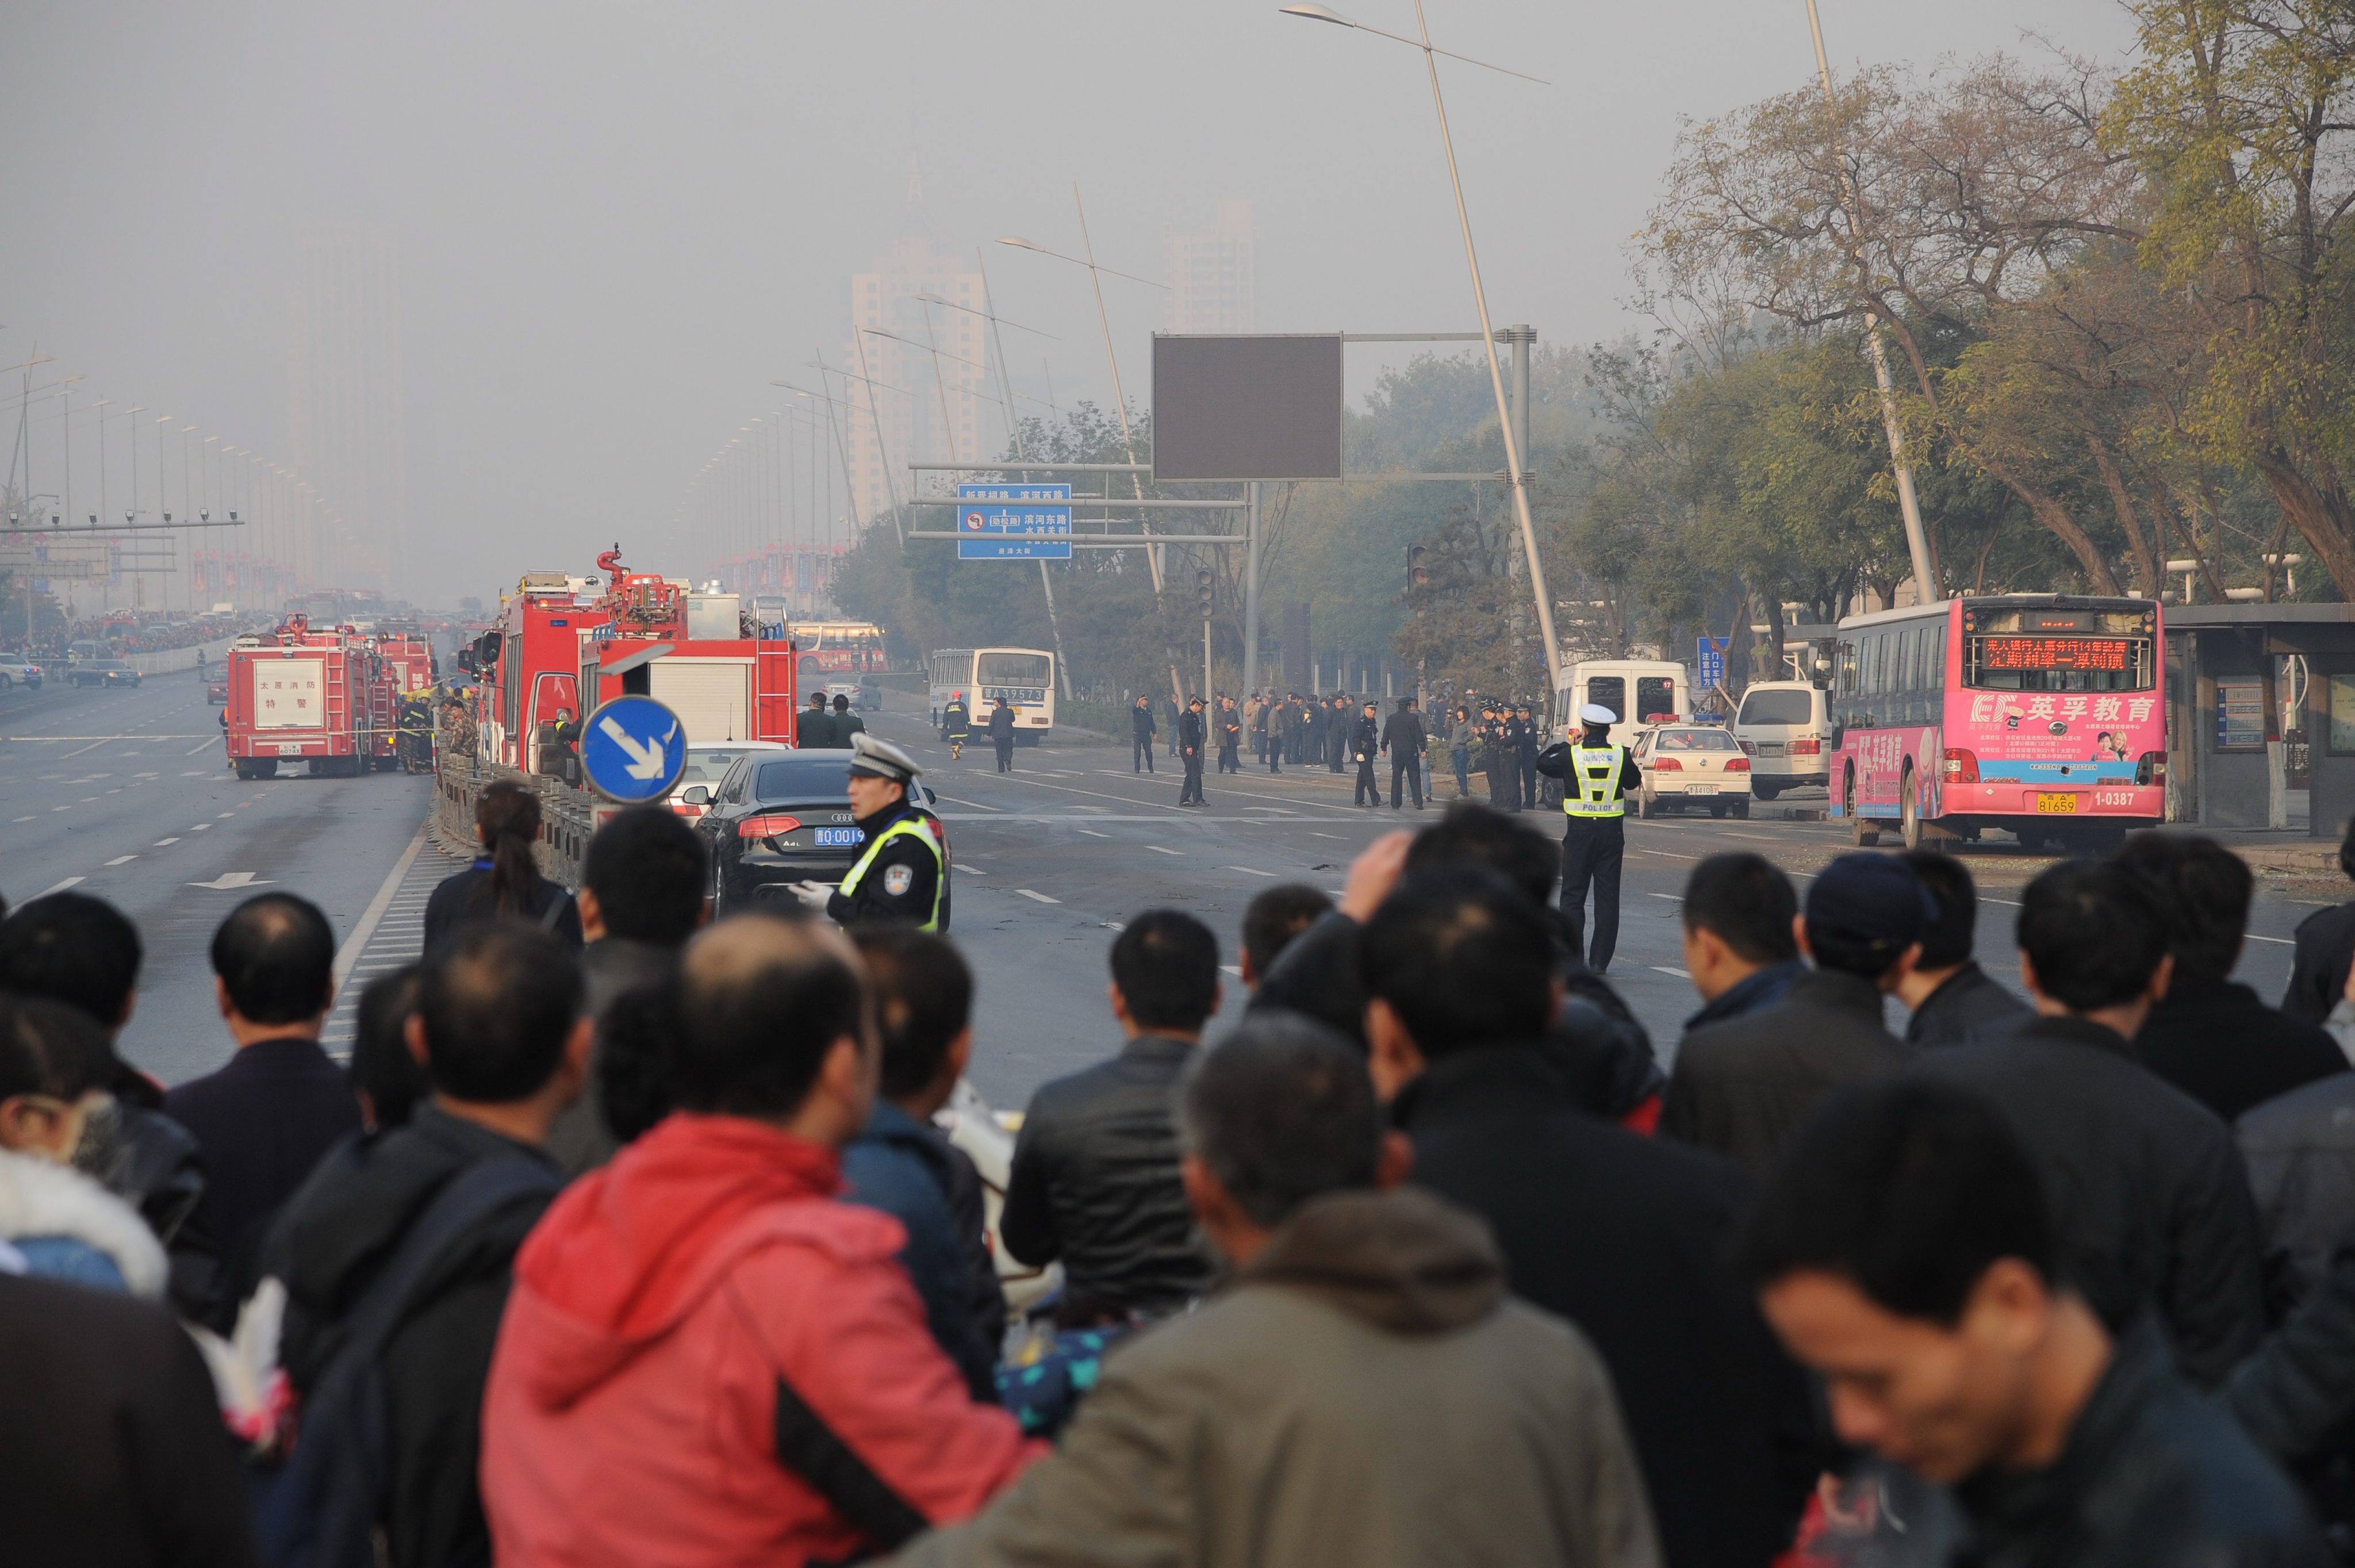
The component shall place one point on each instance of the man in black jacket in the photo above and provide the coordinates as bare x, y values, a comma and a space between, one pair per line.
265, 1118
1141, 730
1193, 740
1621, 1234
2209, 1036
1340, 720
1952, 998
1403, 739
112, 1449
1001, 733
500, 1026
1094, 1180
816, 726
1744, 1086
1365, 743
1907, 1251
1229, 730
1741, 936
1278, 714
2326, 950
2152, 1205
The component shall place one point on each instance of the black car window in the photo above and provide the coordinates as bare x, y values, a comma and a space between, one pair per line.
803, 778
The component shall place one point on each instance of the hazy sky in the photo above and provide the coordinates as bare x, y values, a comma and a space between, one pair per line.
617, 223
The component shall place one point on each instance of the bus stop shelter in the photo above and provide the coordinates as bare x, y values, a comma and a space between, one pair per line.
2260, 708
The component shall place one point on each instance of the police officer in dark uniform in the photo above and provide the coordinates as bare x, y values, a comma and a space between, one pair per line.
1193, 740
901, 874
1001, 733
1595, 777
1365, 740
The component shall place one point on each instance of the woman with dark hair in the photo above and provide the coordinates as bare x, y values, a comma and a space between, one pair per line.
503, 880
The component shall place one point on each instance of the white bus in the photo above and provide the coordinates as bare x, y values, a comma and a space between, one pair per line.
1024, 676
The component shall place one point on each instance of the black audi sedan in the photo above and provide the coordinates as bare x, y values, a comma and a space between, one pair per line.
780, 817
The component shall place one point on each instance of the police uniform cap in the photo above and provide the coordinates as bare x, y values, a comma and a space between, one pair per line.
1595, 714
881, 759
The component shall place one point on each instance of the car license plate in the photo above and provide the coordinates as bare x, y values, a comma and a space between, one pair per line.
1770, 748
829, 836
1700, 789
2050, 804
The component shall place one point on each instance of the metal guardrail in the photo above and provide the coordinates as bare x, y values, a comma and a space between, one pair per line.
568, 815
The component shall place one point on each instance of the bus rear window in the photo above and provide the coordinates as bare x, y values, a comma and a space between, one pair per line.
1656, 698
1609, 692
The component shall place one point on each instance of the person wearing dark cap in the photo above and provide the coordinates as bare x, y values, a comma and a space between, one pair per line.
1742, 1087
901, 873
1596, 774
2151, 1200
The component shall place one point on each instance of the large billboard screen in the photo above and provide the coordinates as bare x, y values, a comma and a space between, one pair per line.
1262, 407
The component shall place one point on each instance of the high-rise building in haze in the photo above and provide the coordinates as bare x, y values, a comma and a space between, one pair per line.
1211, 274
345, 397
907, 404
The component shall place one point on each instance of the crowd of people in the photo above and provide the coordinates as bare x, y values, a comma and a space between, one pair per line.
628, 1237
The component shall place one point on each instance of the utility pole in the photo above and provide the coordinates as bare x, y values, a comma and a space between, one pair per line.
1021, 450
1917, 539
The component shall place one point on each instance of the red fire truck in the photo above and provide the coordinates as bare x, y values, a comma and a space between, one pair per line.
404, 664
300, 695
557, 644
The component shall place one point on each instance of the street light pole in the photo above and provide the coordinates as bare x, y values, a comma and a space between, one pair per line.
1519, 477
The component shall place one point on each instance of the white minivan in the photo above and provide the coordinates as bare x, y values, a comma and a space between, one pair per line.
1785, 725
1642, 692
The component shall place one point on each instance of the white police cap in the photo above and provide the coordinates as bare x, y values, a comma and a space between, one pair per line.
1595, 714
881, 759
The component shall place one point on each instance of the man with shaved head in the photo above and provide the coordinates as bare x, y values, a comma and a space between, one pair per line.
428, 1215
708, 1358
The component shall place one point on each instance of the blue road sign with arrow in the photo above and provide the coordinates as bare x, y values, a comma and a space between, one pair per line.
632, 750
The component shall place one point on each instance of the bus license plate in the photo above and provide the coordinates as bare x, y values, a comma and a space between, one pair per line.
290, 748
2048, 804
828, 838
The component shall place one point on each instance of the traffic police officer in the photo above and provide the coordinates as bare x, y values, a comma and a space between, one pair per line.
956, 724
1595, 778
900, 874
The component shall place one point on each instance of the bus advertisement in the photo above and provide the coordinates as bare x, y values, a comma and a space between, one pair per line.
2039, 714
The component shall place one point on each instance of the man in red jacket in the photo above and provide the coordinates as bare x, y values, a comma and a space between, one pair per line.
706, 1357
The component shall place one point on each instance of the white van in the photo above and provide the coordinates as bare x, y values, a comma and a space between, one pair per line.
1785, 726
1641, 691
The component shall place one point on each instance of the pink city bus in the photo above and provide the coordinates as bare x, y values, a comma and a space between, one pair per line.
2040, 714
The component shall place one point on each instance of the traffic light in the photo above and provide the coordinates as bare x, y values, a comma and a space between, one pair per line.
1203, 582
1416, 576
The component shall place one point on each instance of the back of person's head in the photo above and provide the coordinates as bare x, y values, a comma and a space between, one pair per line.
51, 1049
635, 1068
1166, 963
1746, 902
761, 1001
648, 870
383, 1069
1952, 933
74, 949
1275, 917
1462, 959
1908, 1188
2093, 933
507, 818
923, 1000
499, 1000
275, 956
2204, 890
1471, 834
1280, 1112
1863, 913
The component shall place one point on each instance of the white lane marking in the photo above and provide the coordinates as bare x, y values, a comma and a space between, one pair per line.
225, 816
1114, 925
1236, 970
161, 842
1159, 851
974, 803
350, 953
1094, 833
93, 746
122, 860
70, 881
970, 870
1671, 969
1313, 834
2283, 941
1252, 872
16, 819
1043, 897
1677, 898
204, 747
65, 807
197, 774
200, 826
230, 881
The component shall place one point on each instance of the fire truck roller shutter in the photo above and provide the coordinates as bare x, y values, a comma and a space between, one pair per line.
713, 696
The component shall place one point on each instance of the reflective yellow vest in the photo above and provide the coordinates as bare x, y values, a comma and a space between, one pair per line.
1594, 773
907, 826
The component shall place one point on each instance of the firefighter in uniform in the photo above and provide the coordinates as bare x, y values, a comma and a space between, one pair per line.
1595, 777
956, 724
901, 874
